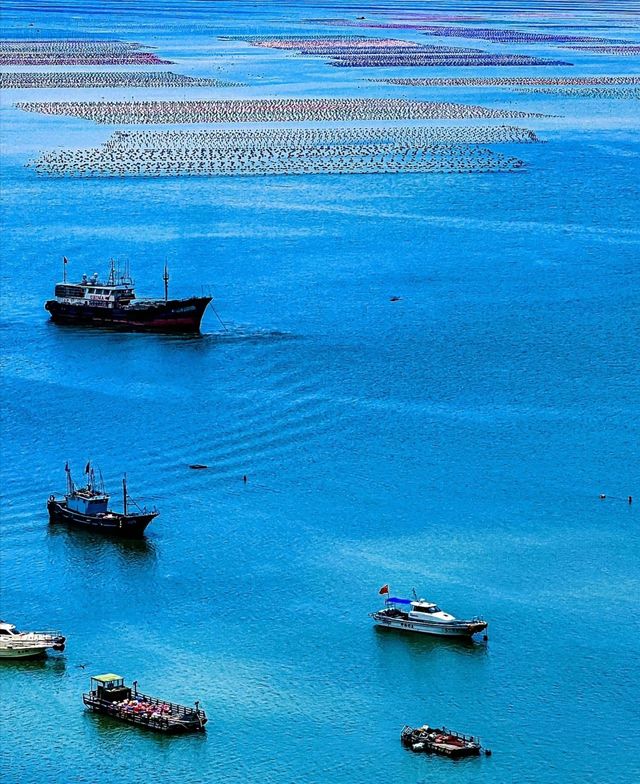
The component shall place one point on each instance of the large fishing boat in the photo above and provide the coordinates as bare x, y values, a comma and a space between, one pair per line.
419, 615
114, 304
109, 695
15, 644
87, 507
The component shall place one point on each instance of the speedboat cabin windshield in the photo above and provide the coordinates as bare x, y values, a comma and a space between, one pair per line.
426, 608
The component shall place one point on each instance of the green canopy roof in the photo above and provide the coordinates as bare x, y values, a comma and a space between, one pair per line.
107, 678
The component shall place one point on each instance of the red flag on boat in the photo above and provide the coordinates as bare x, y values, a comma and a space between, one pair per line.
384, 589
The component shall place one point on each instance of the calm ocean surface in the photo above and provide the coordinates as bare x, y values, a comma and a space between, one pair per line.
455, 441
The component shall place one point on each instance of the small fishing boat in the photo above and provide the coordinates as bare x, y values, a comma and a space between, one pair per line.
87, 507
419, 615
92, 302
15, 644
440, 740
109, 695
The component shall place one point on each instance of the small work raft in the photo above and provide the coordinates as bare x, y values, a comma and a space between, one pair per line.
110, 695
440, 740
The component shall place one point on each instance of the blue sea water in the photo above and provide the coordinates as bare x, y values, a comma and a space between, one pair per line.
455, 441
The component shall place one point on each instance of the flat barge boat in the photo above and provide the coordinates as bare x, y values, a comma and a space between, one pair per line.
440, 740
88, 507
114, 305
110, 696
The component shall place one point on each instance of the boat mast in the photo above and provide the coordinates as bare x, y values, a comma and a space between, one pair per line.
65, 261
124, 494
165, 277
112, 274
70, 487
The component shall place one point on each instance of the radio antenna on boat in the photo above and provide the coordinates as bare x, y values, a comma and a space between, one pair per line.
165, 277
124, 494
70, 485
65, 261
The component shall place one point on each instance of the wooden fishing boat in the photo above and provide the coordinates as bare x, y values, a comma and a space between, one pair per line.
114, 304
440, 740
88, 507
109, 695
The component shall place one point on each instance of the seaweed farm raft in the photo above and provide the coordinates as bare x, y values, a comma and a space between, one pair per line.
264, 110
109, 695
75, 52
103, 79
364, 52
289, 151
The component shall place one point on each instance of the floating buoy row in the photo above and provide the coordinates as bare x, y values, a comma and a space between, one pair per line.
122, 158
511, 81
506, 36
627, 50
411, 20
74, 52
275, 110
261, 138
619, 93
443, 58
448, 31
85, 45
310, 43
103, 79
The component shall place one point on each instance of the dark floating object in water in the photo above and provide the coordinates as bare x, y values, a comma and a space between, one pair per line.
110, 695
114, 305
198, 466
395, 299
87, 507
440, 740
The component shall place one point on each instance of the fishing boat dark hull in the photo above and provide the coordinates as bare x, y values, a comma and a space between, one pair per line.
111, 523
177, 722
174, 315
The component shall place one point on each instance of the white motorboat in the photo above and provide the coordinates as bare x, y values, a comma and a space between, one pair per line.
21, 645
419, 615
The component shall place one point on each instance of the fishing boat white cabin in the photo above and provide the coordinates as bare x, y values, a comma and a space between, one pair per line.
15, 644
419, 615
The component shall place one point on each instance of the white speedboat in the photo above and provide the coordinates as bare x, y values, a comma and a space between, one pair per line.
419, 615
21, 645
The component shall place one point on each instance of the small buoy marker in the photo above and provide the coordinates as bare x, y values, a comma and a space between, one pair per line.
602, 496
630, 499
244, 478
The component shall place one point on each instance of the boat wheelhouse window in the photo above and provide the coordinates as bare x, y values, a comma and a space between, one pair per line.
430, 610
66, 290
5, 631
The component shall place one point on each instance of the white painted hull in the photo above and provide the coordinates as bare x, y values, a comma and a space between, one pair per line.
456, 629
22, 653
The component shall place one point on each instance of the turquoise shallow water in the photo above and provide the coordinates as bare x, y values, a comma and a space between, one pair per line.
456, 440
